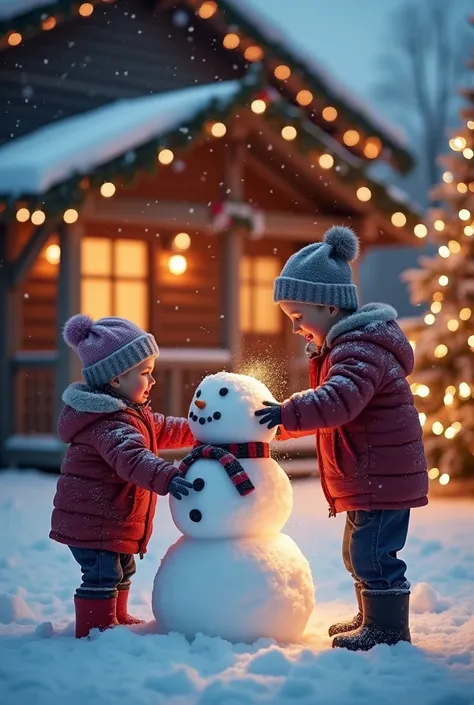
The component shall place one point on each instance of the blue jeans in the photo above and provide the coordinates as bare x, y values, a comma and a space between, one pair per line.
103, 572
370, 546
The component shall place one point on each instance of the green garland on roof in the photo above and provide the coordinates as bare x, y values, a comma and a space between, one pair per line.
28, 24
317, 84
125, 167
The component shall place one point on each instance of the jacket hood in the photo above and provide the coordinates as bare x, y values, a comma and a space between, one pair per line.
371, 324
374, 324
84, 406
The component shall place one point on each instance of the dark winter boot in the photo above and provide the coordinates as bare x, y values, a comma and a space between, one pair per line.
385, 622
122, 614
94, 614
355, 623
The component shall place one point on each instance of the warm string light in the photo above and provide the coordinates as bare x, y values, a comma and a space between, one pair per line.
86, 9
14, 39
364, 194
399, 219
70, 216
258, 106
107, 189
207, 10
165, 156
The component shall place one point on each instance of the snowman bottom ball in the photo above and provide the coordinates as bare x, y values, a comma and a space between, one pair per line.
239, 590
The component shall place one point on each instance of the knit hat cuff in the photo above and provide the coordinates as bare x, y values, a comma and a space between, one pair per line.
341, 295
121, 361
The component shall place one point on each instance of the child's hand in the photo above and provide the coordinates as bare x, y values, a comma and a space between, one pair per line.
271, 416
178, 487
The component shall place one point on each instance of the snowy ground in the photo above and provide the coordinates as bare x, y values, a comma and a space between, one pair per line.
38, 577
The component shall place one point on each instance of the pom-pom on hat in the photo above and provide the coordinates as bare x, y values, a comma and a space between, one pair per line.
320, 273
108, 347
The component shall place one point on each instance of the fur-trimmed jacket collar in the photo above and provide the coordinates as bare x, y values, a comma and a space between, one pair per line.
83, 398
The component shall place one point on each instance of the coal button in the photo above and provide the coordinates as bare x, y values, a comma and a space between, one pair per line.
198, 484
195, 515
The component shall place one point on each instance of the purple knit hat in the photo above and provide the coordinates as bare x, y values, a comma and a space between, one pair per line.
108, 347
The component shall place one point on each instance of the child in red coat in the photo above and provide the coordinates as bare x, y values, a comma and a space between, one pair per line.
106, 495
368, 435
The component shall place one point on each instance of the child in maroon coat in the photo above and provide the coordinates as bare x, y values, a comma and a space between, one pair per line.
106, 495
368, 435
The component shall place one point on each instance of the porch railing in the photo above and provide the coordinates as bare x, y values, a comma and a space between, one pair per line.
34, 382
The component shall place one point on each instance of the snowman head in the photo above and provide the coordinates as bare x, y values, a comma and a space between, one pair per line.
223, 410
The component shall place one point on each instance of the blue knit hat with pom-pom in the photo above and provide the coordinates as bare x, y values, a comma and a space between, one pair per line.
320, 273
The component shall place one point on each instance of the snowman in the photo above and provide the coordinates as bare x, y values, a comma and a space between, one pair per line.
233, 574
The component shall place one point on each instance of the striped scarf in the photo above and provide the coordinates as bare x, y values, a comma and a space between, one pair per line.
227, 456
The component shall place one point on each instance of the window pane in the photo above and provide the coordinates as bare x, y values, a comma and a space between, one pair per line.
131, 258
96, 297
266, 315
131, 302
266, 269
96, 256
245, 265
245, 301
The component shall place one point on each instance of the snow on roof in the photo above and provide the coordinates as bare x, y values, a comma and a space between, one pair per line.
267, 27
12, 8
35, 163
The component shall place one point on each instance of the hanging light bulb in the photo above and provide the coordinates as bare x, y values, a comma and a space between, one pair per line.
182, 241
53, 254
177, 264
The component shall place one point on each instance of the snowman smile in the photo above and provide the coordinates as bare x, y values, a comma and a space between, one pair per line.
205, 419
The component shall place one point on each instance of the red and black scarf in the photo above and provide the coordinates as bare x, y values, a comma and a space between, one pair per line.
227, 455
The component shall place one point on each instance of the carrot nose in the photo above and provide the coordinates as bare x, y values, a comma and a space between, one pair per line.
200, 404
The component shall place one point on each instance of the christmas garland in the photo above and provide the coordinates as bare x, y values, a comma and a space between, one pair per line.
278, 113
228, 215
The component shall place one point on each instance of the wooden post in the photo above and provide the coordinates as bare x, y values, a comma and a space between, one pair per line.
68, 303
232, 249
6, 396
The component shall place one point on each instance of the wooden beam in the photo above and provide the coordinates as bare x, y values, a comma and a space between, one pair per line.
6, 397
268, 175
21, 267
177, 215
68, 367
232, 246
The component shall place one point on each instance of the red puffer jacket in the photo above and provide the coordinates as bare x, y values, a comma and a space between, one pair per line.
368, 434
106, 495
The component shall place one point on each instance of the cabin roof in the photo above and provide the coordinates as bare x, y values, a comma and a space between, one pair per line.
55, 166
27, 17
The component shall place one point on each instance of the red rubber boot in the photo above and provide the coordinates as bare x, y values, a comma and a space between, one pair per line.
94, 614
122, 612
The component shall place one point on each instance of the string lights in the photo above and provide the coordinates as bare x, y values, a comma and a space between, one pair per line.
447, 412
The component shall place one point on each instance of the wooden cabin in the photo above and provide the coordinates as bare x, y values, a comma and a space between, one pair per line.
160, 161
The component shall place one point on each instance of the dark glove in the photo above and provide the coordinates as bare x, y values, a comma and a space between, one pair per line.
271, 416
178, 486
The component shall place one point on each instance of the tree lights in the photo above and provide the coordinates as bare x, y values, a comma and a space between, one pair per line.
448, 338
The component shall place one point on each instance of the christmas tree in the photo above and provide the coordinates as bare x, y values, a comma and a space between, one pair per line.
443, 381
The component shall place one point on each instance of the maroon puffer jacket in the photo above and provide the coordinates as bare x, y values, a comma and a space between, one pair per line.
105, 496
368, 434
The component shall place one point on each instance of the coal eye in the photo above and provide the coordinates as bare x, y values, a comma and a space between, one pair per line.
223, 391
198, 394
